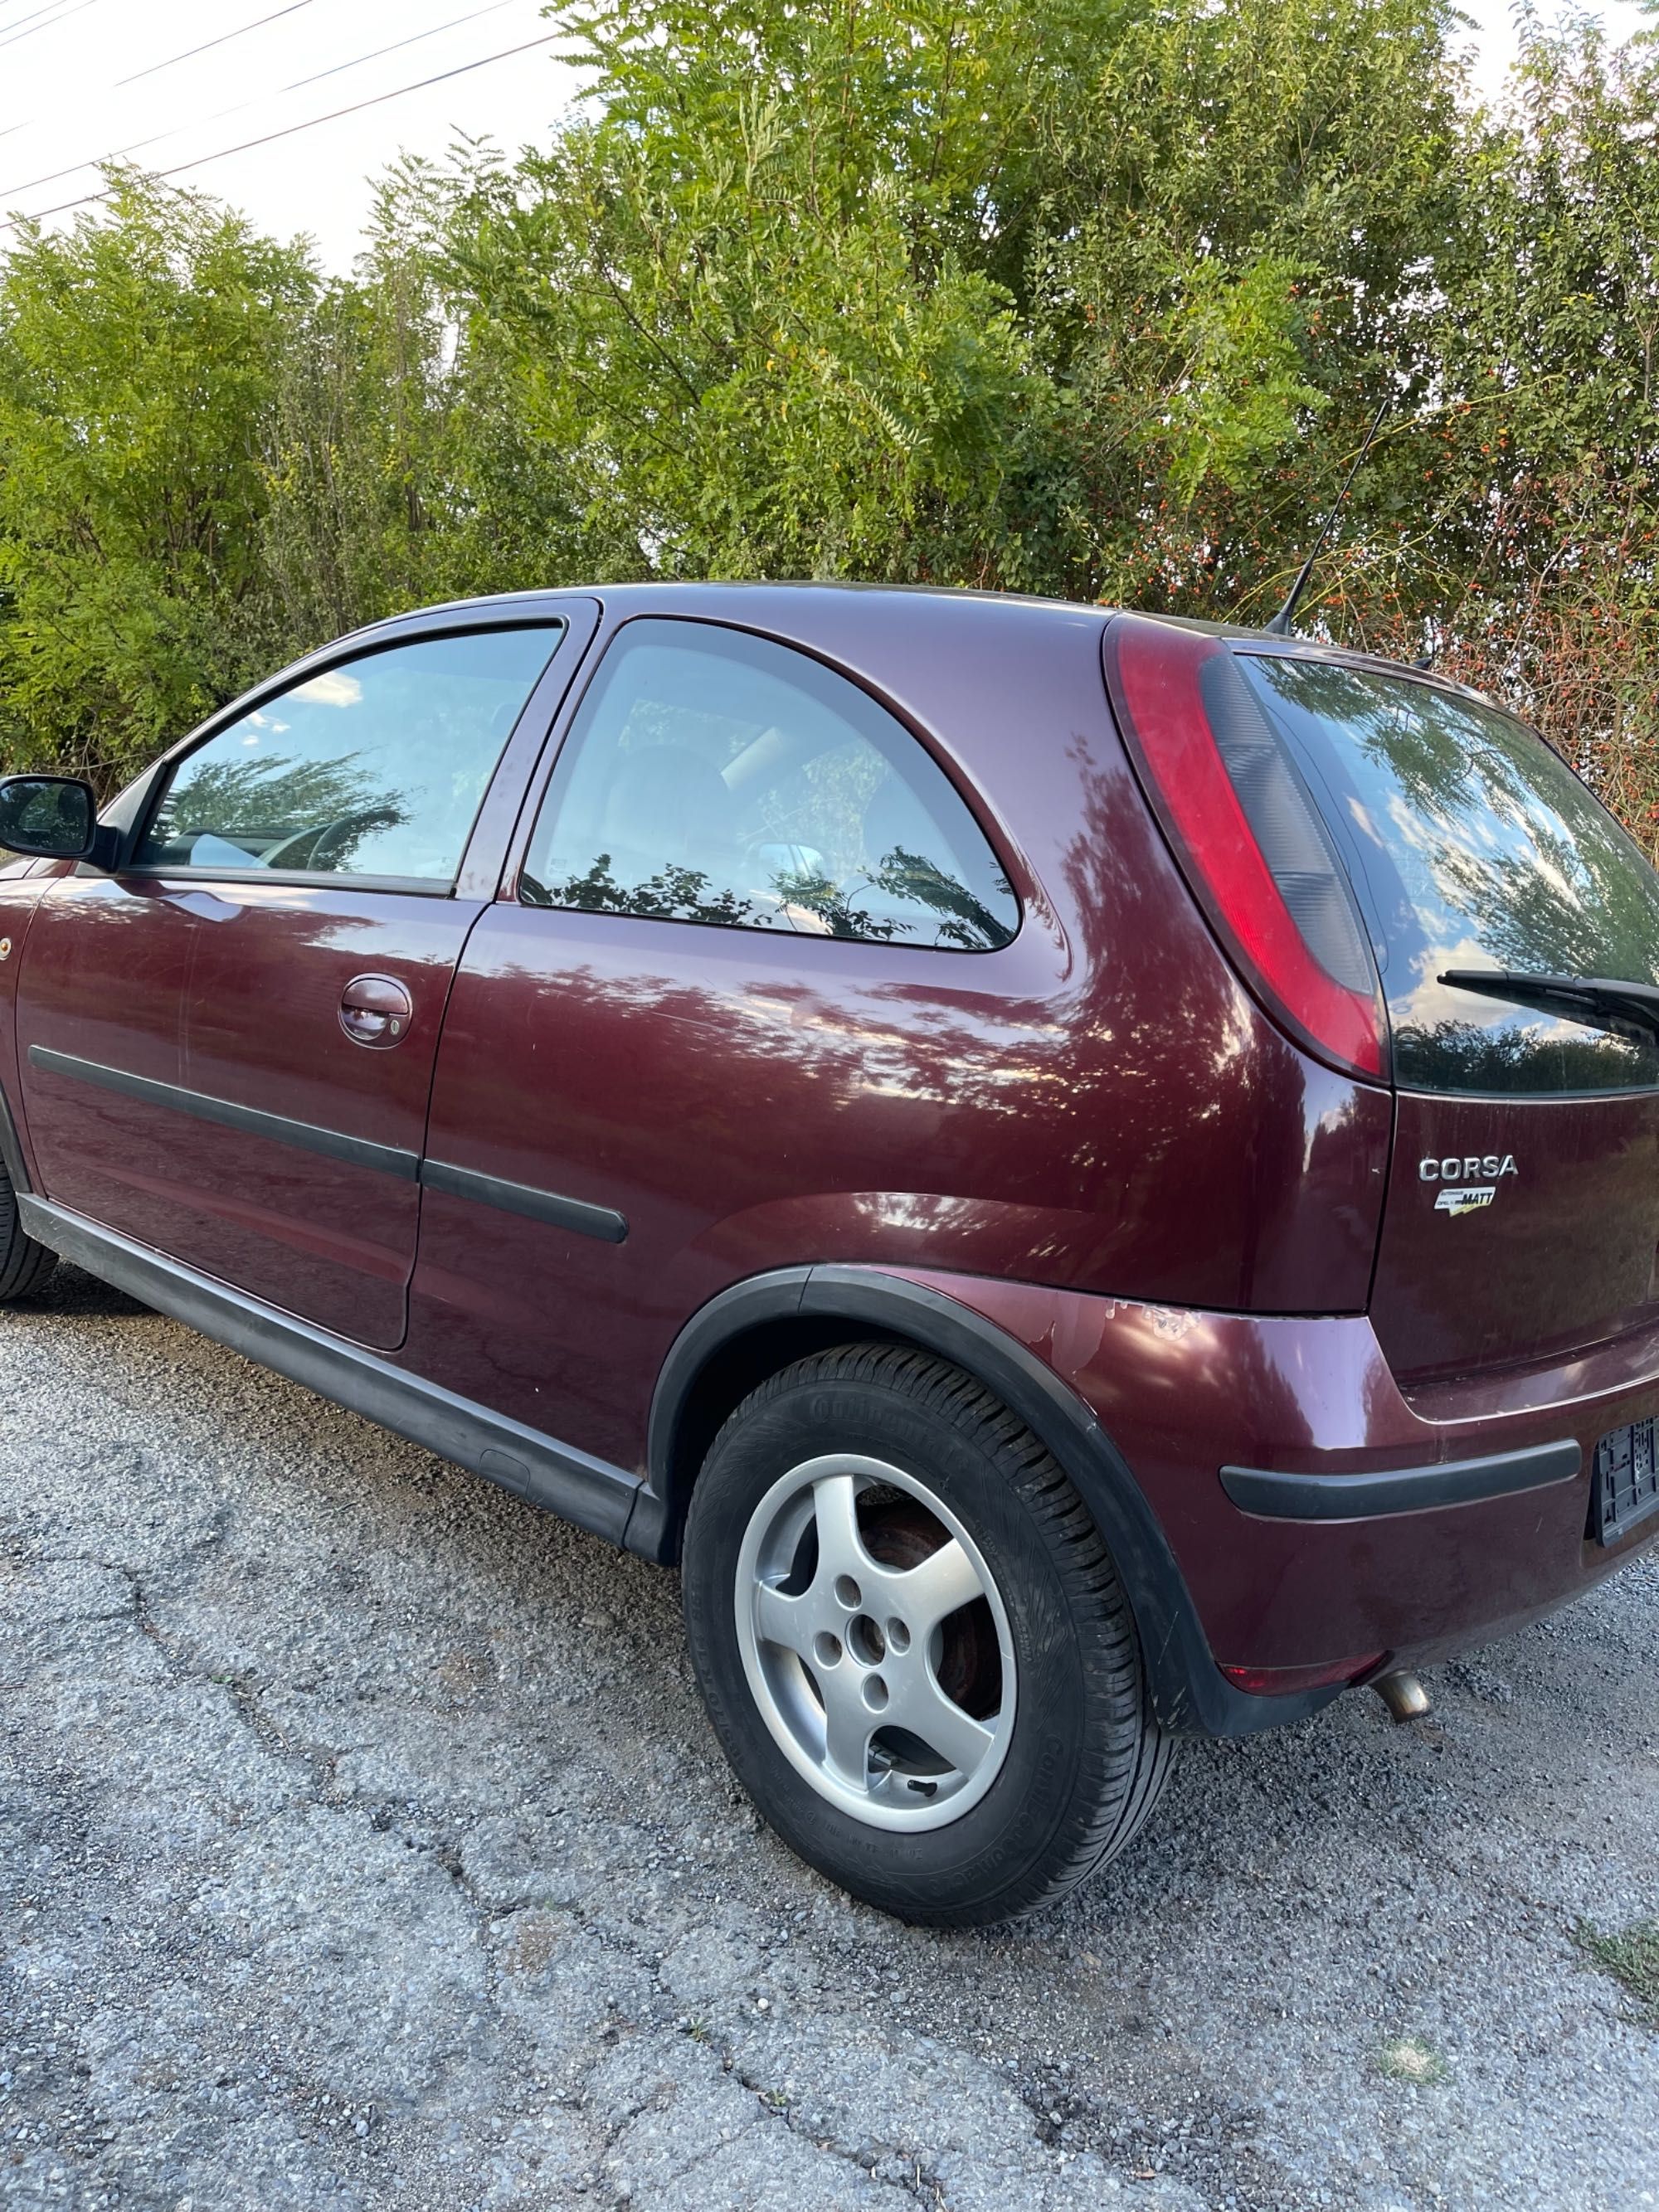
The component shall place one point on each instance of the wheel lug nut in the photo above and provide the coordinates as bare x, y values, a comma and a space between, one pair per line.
898, 1636
848, 1593
826, 1649
875, 1693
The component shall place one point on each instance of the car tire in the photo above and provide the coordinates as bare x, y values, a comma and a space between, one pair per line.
846, 1501
24, 1264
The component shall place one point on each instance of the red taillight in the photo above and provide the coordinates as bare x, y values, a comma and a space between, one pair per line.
1248, 835
1283, 1682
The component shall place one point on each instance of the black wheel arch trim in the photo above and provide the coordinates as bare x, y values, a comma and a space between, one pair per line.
1189, 1693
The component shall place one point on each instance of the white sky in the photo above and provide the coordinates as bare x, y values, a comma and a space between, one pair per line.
63, 100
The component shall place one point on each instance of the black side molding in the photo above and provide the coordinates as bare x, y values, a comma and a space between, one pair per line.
573, 1214
589, 1492
304, 1136
1407, 1490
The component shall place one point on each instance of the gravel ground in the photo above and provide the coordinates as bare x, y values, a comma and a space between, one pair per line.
362, 1844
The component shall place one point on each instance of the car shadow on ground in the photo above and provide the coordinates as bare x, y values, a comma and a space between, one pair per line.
68, 1290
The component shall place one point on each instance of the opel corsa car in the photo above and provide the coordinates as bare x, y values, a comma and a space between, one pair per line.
1088, 1178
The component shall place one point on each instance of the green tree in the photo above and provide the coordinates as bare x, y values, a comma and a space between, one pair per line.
1094, 297
400, 465
1514, 522
139, 355
761, 295
1255, 202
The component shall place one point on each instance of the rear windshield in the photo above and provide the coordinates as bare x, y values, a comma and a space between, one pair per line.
1471, 845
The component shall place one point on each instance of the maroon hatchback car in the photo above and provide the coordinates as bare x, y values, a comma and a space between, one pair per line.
1088, 1178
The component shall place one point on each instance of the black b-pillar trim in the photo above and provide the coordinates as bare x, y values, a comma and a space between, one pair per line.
589, 1492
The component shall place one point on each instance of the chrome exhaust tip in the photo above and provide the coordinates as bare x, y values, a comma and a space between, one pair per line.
1403, 1694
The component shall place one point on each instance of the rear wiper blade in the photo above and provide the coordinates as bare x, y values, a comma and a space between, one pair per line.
1602, 1002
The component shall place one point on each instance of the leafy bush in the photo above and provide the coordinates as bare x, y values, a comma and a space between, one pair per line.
1090, 297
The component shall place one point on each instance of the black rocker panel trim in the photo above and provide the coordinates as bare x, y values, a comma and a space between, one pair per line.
304, 1136
589, 1492
573, 1214
1189, 1693
1405, 1490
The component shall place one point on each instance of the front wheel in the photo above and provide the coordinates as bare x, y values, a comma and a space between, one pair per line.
24, 1264
912, 1643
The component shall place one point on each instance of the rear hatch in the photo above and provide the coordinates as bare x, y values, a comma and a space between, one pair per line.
1522, 1214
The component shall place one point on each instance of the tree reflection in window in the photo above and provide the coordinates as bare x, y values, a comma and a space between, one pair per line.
812, 905
1471, 845
374, 767
719, 778
262, 801
1528, 1055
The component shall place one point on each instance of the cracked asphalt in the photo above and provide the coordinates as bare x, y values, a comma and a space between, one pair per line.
363, 1845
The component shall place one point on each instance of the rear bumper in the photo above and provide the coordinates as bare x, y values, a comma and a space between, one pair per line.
1316, 1511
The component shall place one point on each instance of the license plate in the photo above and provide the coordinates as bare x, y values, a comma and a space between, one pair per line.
1625, 1490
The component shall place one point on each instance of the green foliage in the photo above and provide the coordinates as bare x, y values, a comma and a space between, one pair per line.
753, 298
1254, 199
1522, 540
1092, 297
136, 360
399, 466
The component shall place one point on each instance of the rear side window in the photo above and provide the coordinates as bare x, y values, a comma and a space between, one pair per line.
375, 767
1471, 845
715, 777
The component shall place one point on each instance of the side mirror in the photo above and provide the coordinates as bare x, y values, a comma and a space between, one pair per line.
48, 818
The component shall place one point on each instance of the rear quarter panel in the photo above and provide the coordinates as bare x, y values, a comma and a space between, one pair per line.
1099, 1106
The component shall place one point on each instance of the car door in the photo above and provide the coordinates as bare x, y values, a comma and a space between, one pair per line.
227, 1048
713, 1026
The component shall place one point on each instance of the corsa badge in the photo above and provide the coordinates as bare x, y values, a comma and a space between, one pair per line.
1465, 1201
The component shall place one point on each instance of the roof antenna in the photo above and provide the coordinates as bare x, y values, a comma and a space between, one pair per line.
1280, 625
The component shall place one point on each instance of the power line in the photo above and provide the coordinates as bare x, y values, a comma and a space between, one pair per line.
492, 9
16, 32
356, 107
207, 47
18, 20
241, 106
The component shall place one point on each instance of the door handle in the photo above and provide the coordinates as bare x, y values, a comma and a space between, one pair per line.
374, 1010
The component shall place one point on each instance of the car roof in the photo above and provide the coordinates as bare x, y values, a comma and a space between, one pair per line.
728, 598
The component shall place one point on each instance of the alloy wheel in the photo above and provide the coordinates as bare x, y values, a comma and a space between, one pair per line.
875, 1642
